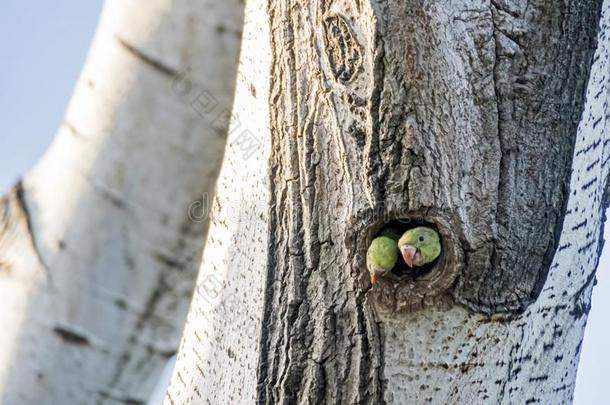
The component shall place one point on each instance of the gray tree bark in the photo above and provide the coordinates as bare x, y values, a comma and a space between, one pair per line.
98, 253
469, 117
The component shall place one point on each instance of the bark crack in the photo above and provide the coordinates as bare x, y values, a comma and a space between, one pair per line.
71, 335
496, 87
148, 59
19, 196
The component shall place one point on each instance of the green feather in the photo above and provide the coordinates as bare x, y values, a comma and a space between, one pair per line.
427, 242
382, 254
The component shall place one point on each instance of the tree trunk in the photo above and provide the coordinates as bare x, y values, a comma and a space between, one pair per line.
456, 114
100, 244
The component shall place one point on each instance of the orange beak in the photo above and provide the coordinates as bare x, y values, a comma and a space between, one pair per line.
408, 254
376, 274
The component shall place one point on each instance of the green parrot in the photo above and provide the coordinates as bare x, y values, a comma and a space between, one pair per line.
382, 254
419, 246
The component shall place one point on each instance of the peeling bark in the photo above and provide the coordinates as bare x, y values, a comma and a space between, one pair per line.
98, 255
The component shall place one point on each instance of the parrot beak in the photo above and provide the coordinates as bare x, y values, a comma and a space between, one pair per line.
408, 253
376, 274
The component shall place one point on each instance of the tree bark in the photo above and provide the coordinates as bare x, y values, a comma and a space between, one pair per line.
461, 115
98, 250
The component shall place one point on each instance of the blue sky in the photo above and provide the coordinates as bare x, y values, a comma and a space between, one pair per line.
44, 45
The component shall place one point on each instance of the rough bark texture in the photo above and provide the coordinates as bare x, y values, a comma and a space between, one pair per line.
456, 113
435, 111
98, 255
400, 110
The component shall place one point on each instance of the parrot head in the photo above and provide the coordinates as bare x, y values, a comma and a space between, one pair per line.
381, 257
420, 246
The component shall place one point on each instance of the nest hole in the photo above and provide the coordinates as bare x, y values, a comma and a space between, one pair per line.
401, 270
408, 289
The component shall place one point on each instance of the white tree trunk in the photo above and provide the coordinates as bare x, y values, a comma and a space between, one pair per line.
439, 353
99, 245
218, 357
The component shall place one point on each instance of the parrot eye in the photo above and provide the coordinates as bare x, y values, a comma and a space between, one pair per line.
421, 238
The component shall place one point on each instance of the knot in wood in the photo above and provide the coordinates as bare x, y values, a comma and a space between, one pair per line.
342, 49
